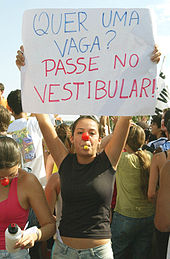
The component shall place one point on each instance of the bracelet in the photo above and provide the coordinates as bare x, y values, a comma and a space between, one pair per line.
38, 234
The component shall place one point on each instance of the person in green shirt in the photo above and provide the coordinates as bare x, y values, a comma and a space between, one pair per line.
132, 223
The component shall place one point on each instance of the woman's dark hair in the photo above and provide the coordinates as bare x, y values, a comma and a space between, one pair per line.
135, 141
73, 126
157, 119
166, 117
9, 152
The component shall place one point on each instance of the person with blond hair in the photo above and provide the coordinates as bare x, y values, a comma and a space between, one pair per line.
132, 223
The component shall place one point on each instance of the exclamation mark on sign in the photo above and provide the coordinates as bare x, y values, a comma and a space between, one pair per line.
153, 89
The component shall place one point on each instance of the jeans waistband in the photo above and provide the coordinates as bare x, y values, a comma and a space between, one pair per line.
84, 251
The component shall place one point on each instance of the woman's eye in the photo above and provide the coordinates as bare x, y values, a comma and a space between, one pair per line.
79, 132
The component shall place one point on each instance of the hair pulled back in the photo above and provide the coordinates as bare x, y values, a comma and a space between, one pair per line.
73, 126
135, 141
9, 152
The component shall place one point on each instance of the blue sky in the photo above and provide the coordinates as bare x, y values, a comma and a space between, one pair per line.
11, 13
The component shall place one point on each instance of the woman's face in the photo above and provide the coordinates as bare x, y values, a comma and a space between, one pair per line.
86, 126
8, 173
154, 128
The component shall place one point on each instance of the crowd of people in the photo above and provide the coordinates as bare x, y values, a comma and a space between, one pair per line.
63, 179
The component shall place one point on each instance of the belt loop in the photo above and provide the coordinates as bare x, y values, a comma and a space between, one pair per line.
92, 251
63, 246
65, 249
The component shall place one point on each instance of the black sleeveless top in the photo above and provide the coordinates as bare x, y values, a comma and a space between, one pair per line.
86, 191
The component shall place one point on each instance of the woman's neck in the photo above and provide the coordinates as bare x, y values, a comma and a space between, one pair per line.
20, 116
128, 149
85, 159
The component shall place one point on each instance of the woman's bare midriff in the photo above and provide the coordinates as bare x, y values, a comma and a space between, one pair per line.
83, 243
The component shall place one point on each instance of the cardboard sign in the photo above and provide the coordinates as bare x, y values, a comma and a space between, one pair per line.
88, 61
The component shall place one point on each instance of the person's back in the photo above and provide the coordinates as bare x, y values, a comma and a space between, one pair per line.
131, 200
27, 133
132, 176
162, 219
132, 223
160, 239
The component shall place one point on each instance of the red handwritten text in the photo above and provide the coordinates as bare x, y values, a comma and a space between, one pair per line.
96, 90
69, 66
132, 61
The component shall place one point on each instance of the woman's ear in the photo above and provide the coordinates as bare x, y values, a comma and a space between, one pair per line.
72, 144
72, 139
98, 146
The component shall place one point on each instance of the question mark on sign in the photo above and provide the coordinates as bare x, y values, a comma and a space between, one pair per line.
113, 33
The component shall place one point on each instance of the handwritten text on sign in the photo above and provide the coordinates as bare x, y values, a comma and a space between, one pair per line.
88, 61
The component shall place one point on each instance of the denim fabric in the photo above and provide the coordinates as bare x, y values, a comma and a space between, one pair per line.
159, 244
168, 252
62, 251
21, 254
132, 234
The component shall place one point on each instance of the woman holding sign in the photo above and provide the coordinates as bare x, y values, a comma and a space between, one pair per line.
86, 184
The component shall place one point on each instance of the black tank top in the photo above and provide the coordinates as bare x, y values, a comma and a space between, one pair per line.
86, 191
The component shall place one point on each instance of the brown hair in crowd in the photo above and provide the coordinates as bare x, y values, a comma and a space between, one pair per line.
9, 152
135, 141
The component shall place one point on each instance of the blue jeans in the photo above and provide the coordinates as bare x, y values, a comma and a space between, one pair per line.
23, 253
62, 251
131, 235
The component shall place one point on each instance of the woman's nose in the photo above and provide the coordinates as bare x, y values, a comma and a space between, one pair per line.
85, 136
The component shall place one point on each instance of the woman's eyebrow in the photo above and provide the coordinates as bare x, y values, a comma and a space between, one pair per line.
84, 129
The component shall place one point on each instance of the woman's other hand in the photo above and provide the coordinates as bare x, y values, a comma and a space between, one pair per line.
20, 59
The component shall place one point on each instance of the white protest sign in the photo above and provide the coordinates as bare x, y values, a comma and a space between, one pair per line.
88, 61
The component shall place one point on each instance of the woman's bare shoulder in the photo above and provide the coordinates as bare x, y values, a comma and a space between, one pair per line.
161, 156
166, 169
26, 178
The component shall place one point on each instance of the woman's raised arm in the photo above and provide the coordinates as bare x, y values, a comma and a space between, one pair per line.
118, 140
